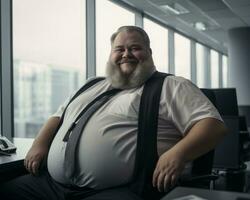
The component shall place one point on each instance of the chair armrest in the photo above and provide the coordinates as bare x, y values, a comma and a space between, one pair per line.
202, 181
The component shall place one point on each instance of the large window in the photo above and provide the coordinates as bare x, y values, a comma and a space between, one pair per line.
224, 71
182, 56
109, 17
214, 69
200, 65
158, 36
49, 58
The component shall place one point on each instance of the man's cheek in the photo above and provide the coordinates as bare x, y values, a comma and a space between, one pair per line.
141, 57
115, 59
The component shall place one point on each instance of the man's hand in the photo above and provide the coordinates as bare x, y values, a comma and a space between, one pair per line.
34, 158
168, 169
201, 138
41, 144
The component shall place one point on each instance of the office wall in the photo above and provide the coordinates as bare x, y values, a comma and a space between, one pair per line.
239, 63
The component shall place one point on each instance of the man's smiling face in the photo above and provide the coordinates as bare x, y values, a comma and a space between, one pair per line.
129, 50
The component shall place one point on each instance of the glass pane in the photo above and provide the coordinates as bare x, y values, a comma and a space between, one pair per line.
159, 46
109, 17
214, 69
224, 71
49, 58
182, 56
200, 65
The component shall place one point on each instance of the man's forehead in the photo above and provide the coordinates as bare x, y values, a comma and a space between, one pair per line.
131, 37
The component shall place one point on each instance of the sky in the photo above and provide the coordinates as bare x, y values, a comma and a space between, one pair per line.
49, 31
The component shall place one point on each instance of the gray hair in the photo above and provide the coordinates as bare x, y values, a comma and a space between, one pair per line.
131, 29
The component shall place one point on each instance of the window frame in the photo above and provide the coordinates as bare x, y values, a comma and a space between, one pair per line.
7, 105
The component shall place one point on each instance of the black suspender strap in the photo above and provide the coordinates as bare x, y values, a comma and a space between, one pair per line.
73, 135
81, 90
146, 152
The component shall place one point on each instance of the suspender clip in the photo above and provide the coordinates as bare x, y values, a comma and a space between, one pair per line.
66, 137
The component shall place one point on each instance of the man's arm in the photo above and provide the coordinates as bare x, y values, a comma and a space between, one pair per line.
201, 138
40, 146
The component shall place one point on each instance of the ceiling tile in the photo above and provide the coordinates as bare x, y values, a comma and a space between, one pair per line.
207, 5
237, 3
220, 35
228, 23
242, 11
191, 18
247, 20
225, 13
162, 2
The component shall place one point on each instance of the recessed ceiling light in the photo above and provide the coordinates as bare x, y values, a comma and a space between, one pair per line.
175, 8
200, 26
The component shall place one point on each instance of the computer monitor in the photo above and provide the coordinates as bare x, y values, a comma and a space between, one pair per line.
227, 155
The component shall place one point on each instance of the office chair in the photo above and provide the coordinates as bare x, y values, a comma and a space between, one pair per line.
230, 169
226, 101
202, 174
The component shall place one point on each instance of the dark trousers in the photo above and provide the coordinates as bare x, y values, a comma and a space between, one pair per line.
43, 187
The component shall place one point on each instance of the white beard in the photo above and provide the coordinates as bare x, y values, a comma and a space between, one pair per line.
127, 81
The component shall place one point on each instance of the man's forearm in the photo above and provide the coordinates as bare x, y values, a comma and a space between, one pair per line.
202, 137
46, 134
40, 147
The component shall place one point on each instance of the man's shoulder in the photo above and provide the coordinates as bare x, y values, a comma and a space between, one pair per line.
95, 79
177, 79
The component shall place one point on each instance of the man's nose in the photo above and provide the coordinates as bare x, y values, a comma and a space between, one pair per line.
126, 53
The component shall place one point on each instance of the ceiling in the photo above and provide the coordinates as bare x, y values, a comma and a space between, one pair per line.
218, 16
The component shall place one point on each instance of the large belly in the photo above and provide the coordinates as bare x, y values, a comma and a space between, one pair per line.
106, 158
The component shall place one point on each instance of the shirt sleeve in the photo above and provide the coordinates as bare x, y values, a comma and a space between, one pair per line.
187, 104
62, 107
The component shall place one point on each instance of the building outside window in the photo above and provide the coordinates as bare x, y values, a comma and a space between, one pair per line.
109, 17
182, 56
159, 46
48, 59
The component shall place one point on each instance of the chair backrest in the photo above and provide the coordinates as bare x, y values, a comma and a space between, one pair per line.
210, 95
243, 123
204, 164
227, 153
226, 101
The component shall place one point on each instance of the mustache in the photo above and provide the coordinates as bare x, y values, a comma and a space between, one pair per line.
128, 61
137, 78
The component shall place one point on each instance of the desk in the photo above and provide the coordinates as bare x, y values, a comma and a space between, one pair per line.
11, 166
205, 194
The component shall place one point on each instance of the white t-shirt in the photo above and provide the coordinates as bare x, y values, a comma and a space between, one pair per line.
106, 153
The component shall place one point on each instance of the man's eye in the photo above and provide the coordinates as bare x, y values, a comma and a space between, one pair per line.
118, 50
135, 48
